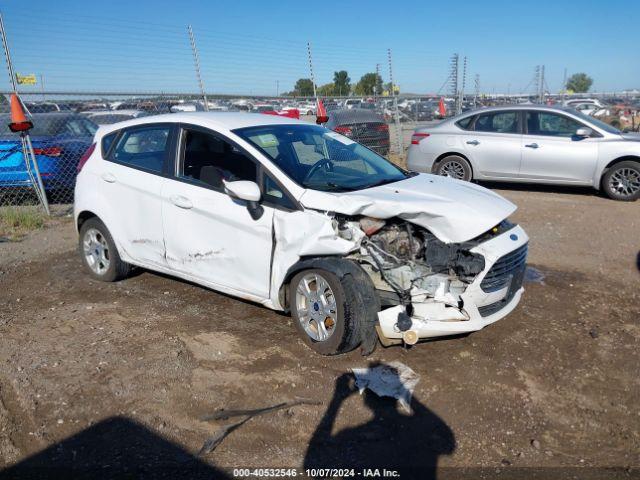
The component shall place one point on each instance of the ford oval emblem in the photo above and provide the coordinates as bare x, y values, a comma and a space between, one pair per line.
513, 237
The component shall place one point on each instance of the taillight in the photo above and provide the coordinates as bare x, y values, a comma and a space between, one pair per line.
86, 156
48, 151
383, 127
346, 131
417, 136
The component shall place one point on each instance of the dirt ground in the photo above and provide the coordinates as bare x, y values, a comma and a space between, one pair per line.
87, 366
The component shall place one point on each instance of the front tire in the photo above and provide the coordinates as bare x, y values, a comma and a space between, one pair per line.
99, 254
622, 181
456, 167
325, 311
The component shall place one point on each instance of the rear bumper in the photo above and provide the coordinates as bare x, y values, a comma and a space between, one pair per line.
418, 161
50, 181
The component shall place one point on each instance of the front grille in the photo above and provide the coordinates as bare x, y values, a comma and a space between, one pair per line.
504, 269
508, 271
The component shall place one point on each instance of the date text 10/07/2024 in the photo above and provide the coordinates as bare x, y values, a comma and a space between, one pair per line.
315, 472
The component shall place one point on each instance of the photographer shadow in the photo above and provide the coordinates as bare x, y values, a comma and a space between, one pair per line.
116, 447
409, 443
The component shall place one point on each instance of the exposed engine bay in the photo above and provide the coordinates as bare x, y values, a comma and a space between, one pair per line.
414, 270
406, 261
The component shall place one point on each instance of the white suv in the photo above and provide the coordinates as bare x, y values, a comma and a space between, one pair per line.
298, 218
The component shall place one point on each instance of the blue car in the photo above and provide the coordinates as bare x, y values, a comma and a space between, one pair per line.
59, 140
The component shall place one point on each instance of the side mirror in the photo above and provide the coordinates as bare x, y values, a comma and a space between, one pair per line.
584, 132
243, 190
247, 191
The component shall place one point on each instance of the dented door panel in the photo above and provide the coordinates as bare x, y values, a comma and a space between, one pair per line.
212, 237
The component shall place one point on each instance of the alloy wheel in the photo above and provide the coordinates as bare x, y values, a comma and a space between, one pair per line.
96, 251
625, 182
453, 169
316, 307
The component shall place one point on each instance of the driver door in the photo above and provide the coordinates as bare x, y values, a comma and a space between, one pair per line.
552, 152
209, 235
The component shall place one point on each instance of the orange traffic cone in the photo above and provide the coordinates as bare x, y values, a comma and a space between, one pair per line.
442, 109
19, 122
321, 113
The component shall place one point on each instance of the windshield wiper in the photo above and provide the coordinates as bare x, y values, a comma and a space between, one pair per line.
383, 181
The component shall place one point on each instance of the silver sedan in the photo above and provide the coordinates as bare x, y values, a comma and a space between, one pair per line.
534, 144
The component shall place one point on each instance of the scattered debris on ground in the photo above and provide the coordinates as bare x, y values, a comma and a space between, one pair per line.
394, 380
212, 442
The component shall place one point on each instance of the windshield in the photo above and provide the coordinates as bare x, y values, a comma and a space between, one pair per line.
320, 159
598, 123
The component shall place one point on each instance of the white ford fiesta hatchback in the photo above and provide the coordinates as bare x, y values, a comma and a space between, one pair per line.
302, 219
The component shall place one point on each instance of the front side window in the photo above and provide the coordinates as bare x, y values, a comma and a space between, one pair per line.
143, 148
209, 159
551, 124
272, 192
317, 158
497, 122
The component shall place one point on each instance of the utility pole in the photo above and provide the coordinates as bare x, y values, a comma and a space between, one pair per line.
453, 80
196, 59
564, 84
42, 87
464, 81
7, 55
477, 89
395, 105
542, 84
313, 79
376, 92
277, 88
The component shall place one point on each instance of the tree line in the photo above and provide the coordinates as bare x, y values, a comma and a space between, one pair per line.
369, 84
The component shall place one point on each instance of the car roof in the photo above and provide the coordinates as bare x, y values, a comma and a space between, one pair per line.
213, 120
51, 115
116, 112
354, 115
530, 106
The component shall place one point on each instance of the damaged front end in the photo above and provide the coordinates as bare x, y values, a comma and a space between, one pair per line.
429, 288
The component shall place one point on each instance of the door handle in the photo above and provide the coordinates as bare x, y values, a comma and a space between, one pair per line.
181, 202
532, 145
473, 142
109, 177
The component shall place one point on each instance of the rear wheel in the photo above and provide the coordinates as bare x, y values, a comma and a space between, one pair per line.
324, 311
456, 167
99, 253
622, 181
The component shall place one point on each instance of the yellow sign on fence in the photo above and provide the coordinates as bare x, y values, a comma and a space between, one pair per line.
26, 79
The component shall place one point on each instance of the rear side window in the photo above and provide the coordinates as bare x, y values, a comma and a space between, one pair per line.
465, 123
79, 127
107, 141
142, 148
497, 122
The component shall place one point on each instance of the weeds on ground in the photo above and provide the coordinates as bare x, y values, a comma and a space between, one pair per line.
398, 159
16, 222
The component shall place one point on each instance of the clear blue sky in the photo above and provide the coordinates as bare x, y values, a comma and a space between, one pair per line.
258, 47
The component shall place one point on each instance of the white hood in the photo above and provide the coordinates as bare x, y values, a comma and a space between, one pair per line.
454, 211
